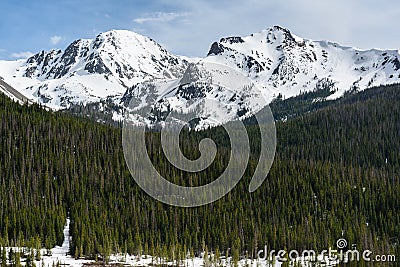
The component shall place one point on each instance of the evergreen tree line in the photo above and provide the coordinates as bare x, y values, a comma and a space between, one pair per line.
335, 174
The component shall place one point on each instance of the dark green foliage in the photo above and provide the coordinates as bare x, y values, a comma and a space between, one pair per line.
301, 104
3, 257
336, 170
101, 111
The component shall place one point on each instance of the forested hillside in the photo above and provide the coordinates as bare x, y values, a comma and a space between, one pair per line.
336, 172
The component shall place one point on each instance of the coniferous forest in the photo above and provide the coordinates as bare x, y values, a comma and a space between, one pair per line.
336, 174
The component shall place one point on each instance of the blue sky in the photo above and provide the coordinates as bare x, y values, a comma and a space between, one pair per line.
189, 27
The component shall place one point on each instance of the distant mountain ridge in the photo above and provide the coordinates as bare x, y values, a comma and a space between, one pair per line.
112, 67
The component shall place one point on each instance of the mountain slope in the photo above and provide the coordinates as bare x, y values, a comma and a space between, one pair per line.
9, 91
213, 93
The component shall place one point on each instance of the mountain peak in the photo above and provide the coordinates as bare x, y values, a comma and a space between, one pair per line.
276, 28
285, 33
120, 34
92, 69
122, 39
277, 35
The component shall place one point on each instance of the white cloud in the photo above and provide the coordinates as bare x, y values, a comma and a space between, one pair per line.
362, 23
55, 39
139, 30
24, 54
160, 17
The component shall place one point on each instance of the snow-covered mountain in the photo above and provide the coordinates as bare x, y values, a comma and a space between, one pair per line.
115, 65
91, 70
211, 93
283, 63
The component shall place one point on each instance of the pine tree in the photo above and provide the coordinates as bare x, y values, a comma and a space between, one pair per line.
3, 257
217, 258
